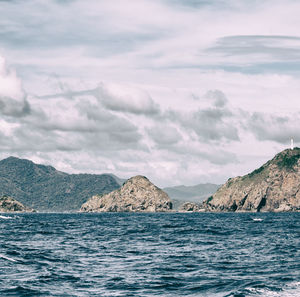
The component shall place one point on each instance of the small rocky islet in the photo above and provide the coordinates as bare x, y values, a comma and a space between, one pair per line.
190, 207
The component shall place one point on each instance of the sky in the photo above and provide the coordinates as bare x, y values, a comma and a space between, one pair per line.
181, 91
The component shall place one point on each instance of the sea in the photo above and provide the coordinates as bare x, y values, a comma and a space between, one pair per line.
150, 254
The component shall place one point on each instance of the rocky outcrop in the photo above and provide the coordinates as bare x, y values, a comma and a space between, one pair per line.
137, 194
275, 186
190, 206
8, 204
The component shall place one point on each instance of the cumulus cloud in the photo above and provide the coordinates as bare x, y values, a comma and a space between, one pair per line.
12, 97
115, 97
275, 128
126, 99
164, 135
209, 124
218, 97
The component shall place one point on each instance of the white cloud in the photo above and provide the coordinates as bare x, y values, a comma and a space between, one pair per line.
164, 135
12, 97
182, 82
126, 99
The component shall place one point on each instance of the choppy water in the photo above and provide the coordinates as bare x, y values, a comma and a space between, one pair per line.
199, 254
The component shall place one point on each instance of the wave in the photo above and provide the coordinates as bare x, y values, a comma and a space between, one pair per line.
5, 217
257, 219
7, 258
289, 290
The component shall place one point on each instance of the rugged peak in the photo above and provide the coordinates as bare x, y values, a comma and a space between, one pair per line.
137, 180
137, 194
275, 186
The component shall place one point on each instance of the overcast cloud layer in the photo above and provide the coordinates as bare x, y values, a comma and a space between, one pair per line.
184, 92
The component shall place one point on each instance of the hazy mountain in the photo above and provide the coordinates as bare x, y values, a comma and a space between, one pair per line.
119, 180
275, 186
46, 189
196, 193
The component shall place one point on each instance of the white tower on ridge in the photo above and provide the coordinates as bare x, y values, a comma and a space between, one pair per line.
292, 143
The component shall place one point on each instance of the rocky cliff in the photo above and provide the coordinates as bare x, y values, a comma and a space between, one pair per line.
137, 194
8, 204
275, 186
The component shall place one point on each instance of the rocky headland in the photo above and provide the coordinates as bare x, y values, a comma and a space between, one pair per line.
274, 187
137, 194
8, 204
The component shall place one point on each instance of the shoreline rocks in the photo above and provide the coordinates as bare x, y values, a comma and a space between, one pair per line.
190, 207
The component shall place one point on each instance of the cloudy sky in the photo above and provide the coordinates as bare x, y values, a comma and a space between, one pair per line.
182, 91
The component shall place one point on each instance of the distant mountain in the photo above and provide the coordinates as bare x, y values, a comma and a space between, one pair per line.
119, 180
275, 186
196, 193
46, 189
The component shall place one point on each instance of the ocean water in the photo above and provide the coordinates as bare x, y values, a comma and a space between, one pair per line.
161, 254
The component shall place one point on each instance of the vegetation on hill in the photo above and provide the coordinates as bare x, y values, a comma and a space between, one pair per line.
46, 189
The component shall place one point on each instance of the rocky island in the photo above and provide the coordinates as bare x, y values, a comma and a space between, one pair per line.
190, 207
274, 187
8, 204
137, 194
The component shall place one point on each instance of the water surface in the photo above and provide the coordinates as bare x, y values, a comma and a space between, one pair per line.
130, 254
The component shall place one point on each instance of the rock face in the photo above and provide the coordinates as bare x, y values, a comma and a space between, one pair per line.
275, 186
137, 194
8, 204
189, 206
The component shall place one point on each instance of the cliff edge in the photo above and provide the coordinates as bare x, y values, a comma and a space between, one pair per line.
274, 187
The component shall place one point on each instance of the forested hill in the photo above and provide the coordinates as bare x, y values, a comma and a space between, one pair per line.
46, 189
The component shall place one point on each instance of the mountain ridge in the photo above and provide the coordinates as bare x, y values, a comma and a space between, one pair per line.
44, 188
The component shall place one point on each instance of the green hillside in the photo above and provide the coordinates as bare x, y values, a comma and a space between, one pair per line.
46, 189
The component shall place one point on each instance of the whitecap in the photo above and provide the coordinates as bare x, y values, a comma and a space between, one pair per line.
7, 258
290, 290
5, 218
257, 219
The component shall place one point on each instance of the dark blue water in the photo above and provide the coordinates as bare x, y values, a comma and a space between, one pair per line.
198, 254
